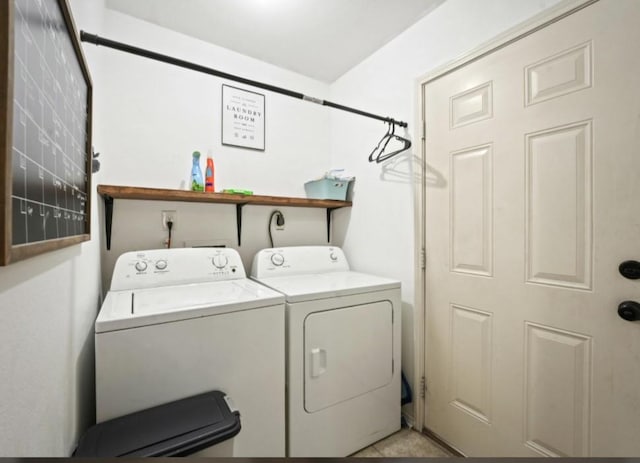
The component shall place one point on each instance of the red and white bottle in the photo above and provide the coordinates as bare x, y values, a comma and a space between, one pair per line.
209, 176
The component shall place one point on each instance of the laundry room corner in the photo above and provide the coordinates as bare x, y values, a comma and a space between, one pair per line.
308, 315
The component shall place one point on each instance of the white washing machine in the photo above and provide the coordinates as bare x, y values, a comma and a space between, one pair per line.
343, 350
180, 322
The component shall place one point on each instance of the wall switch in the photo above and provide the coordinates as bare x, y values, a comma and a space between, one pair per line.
169, 216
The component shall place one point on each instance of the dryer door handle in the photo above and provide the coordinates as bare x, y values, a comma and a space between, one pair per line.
318, 362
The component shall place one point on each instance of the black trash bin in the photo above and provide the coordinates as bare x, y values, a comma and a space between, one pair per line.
205, 423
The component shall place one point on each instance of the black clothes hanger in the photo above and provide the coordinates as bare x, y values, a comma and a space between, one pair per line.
378, 155
406, 144
382, 144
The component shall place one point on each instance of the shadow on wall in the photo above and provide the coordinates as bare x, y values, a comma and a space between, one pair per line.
406, 168
85, 412
434, 178
20, 272
98, 227
340, 224
82, 314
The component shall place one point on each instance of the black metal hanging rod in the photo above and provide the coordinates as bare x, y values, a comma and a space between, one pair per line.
94, 39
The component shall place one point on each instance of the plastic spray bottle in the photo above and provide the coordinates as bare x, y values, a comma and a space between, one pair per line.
209, 175
197, 183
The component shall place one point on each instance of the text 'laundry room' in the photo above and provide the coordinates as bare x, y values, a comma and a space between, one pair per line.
319, 228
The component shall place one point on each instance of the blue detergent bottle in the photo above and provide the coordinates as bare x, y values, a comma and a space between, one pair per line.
197, 181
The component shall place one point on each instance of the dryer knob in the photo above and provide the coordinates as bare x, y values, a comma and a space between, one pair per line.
277, 259
161, 264
333, 257
220, 261
141, 266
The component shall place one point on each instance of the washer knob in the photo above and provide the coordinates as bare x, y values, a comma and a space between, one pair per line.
277, 259
141, 266
333, 256
220, 261
161, 264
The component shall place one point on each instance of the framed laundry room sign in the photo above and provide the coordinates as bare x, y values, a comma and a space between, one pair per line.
45, 133
243, 118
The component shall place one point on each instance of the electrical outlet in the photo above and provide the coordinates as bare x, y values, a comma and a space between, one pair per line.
279, 221
169, 216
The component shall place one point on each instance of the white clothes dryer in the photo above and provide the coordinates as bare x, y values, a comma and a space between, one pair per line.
180, 322
343, 350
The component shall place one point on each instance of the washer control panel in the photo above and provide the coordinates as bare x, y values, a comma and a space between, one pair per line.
167, 267
277, 259
298, 260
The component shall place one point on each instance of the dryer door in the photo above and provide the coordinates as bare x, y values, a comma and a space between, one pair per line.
348, 352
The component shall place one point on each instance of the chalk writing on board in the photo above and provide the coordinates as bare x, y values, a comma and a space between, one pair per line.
50, 140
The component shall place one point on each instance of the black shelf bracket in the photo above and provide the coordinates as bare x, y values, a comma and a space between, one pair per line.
239, 221
329, 211
108, 218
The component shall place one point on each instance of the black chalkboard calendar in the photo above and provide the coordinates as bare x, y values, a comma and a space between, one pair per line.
45, 137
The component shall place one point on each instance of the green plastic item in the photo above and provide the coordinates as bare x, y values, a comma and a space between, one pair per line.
237, 191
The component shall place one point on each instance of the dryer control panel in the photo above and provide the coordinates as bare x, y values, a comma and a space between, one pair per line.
167, 267
298, 260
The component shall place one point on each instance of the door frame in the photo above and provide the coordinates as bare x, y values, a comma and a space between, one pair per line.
537, 22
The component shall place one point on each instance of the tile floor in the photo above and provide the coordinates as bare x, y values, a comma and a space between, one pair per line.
404, 443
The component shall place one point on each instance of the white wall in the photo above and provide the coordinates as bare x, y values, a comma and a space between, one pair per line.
156, 114
47, 308
379, 234
148, 118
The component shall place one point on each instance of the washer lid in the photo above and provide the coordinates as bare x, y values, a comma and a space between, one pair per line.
135, 308
298, 288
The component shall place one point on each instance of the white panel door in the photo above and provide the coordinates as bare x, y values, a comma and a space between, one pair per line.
535, 203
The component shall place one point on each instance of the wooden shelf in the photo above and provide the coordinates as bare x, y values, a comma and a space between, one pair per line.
159, 194
111, 192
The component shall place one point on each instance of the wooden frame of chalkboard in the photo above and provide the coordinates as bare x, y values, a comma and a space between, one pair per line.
53, 187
